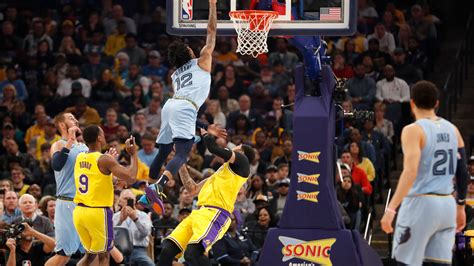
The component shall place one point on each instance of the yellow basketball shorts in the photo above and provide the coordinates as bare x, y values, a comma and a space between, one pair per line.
206, 225
95, 228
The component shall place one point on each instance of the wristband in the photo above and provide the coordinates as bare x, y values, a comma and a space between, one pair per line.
391, 211
65, 150
461, 202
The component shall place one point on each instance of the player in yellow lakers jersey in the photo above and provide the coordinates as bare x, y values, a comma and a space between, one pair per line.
93, 173
196, 234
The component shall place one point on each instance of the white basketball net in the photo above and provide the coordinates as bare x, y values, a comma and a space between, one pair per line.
252, 28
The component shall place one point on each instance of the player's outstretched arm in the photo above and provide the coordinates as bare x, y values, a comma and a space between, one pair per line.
412, 137
191, 186
205, 58
110, 164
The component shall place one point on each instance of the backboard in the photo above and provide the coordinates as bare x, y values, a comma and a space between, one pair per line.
297, 17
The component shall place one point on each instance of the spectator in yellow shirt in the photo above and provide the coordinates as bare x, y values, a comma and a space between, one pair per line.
50, 137
85, 115
362, 162
116, 41
35, 131
143, 170
225, 55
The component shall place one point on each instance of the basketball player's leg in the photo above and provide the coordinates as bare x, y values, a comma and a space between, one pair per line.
209, 226
67, 239
165, 146
182, 126
439, 247
58, 259
169, 250
89, 260
413, 232
195, 255
104, 259
163, 151
176, 242
154, 192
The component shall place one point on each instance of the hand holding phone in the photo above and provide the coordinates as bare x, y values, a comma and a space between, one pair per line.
131, 203
130, 145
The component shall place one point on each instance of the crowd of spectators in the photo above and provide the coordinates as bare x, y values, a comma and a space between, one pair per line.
106, 63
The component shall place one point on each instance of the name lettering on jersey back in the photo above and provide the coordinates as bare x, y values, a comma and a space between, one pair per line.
185, 67
442, 137
85, 164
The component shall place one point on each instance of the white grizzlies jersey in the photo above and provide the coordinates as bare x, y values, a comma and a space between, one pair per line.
190, 81
438, 159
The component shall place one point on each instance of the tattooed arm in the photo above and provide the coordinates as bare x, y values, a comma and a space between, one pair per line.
191, 186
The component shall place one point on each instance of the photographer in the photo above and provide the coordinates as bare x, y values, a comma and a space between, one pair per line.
138, 224
29, 252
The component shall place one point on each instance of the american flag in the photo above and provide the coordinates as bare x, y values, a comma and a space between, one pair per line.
330, 13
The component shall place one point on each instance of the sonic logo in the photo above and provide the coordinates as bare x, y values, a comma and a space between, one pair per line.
187, 9
311, 179
308, 196
309, 156
317, 251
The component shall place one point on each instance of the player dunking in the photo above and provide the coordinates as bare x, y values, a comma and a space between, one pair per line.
196, 234
191, 83
433, 153
95, 194
64, 153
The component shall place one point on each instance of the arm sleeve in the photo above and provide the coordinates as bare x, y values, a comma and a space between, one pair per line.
60, 159
462, 177
213, 148
240, 166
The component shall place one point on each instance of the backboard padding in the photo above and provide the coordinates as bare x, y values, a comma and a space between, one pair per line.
304, 18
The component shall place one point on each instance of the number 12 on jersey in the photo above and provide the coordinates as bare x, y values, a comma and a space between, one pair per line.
184, 81
442, 158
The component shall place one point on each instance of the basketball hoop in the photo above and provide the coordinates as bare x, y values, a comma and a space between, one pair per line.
252, 28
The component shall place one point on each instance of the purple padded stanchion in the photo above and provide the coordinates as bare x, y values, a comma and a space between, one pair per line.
311, 230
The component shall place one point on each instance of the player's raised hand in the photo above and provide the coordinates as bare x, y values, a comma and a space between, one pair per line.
72, 133
217, 131
113, 152
130, 145
212, 2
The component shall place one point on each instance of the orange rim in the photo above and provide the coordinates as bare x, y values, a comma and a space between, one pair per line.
246, 14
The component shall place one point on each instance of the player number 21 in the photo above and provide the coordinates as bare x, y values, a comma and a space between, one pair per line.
83, 184
184, 81
442, 157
